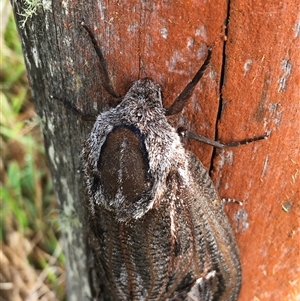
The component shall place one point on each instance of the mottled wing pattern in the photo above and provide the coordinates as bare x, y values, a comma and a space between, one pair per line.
180, 250
216, 256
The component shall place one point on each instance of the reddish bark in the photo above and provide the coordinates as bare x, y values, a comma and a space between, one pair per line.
258, 80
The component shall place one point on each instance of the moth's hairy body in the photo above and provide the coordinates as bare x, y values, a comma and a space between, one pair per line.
159, 231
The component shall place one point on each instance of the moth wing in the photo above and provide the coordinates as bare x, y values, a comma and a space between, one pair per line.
222, 270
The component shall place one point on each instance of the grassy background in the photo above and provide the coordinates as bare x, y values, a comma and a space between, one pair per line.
31, 259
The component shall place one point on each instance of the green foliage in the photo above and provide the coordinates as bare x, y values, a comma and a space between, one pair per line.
27, 203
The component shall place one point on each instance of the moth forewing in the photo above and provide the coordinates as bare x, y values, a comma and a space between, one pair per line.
222, 250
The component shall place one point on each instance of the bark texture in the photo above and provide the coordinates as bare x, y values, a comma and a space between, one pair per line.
252, 86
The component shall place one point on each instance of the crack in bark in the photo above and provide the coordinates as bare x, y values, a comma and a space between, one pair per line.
221, 84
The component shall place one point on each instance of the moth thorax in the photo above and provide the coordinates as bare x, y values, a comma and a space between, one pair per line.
124, 166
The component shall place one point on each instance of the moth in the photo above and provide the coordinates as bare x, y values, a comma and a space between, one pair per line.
158, 230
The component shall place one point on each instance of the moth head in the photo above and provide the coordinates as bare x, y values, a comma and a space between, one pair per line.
146, 89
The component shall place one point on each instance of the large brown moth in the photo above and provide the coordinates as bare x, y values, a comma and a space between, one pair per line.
158, 230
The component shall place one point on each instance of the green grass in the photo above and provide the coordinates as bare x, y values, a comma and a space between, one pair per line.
27, 203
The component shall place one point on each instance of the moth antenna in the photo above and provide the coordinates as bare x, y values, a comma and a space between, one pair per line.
180, 102
106, 81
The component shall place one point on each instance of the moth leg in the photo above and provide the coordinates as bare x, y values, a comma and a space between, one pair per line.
106, 81
74, 109
191, 135
183, 97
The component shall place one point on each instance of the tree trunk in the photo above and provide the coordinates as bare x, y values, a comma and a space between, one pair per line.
252, 87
